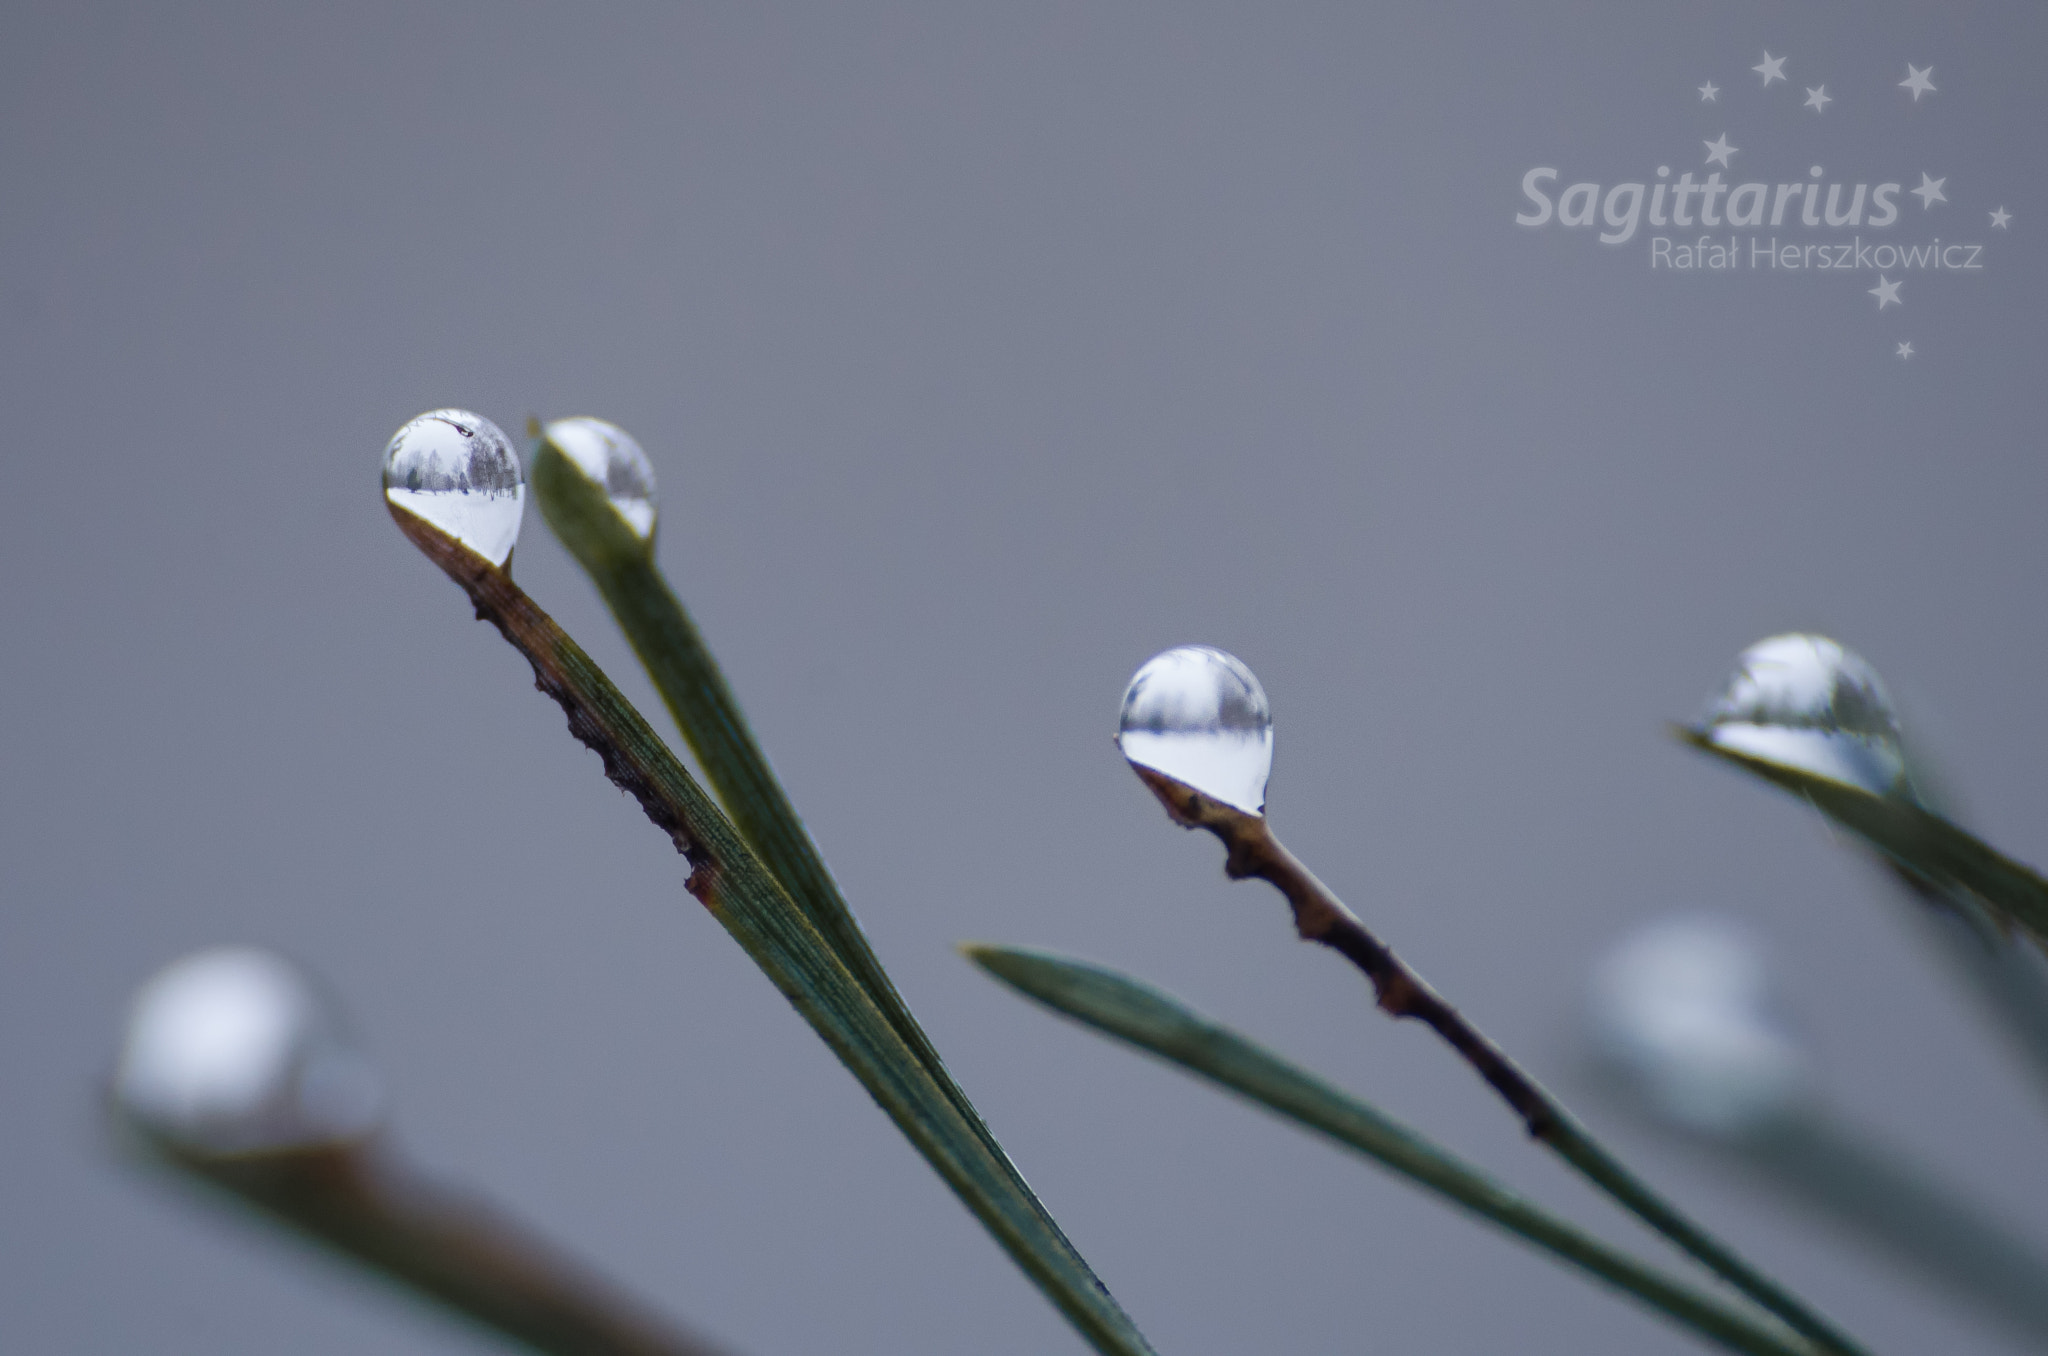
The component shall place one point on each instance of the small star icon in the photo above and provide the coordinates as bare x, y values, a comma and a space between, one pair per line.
1819, 99
1887, 292
2000, 217
1719, 151
1708, 92
1905, 350
1917, 81
1929, 191
1773, 68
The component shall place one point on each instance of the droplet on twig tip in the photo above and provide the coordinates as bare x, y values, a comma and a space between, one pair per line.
1199, 716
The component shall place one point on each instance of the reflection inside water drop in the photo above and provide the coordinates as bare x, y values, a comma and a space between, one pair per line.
232, 1049
611, 458
1199, 716
458, 471
1683, 1008
1803, 701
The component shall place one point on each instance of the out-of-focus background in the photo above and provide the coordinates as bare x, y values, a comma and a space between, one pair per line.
981, 353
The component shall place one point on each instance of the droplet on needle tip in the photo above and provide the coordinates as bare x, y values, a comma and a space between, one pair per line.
610, 458
457, 470
1806, 702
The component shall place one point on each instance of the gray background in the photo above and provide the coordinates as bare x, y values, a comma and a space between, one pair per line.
982, 352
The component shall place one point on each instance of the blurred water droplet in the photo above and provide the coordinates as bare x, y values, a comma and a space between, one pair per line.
1197, 715
232, 1050
613, 461
1805, 702
458, 471
1683, 1007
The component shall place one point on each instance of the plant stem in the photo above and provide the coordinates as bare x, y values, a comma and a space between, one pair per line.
356, 1199
1320, 916
1159, 1023
1886, 1201
753, 907
1892, 1204
2006, 975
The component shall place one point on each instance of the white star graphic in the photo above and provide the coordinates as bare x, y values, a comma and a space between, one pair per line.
1773, 68
1905, 350
1719, 151
1887, 292
1708, 92
1818, 99
2000, 217
1917, 81
1929, 191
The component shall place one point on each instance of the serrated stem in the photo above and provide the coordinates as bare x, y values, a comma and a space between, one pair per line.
751, 904
1321, 917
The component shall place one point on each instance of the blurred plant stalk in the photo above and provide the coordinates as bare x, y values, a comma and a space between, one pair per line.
358, 1199
238, 1071
1690, 1033
1888, 1202
2006, 975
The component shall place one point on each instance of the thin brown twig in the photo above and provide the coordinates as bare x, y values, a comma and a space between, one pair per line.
1320, 916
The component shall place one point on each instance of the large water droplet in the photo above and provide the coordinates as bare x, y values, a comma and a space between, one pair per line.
232, 1050
1197, 715
1684, 1009
458, 471
1805, 702
613, 461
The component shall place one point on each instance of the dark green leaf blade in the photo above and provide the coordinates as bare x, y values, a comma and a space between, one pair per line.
1152, 1020
669, 646
753, 907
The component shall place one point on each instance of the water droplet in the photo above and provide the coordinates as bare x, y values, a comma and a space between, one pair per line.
613, 461
1805, 702
232, 1050
1197, 715
457, 470
1684, 1009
